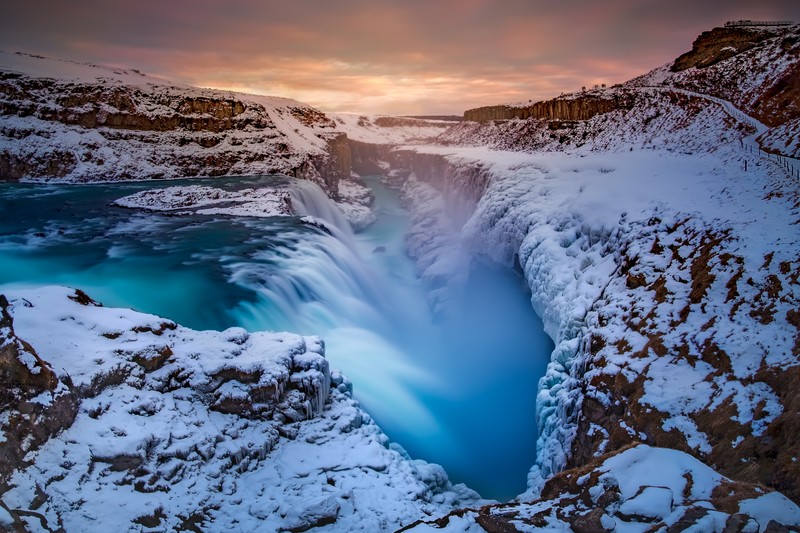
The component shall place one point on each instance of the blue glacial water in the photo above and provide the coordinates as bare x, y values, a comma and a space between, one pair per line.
459, 392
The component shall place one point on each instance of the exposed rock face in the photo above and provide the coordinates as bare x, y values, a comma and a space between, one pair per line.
335, 164
116, 125
720, 44
365, 156
581, 106
36, 405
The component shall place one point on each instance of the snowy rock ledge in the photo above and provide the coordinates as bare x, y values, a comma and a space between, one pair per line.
179, 429
639, 488
260, 202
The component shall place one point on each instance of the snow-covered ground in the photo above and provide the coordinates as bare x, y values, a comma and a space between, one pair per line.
387, 130
639, 489
205, 429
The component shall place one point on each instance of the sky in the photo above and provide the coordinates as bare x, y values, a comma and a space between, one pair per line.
401, 57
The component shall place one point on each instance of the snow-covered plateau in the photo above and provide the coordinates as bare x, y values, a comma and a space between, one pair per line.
656, 224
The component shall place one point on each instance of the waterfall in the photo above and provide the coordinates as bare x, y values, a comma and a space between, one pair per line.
308, 199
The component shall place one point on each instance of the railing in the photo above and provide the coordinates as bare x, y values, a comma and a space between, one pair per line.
740, 23
789, 164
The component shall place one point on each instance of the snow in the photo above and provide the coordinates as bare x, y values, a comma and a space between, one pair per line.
771, 506
644, 466
46, 67
6, 520
161, 442
377, 129
260, 202
651, 502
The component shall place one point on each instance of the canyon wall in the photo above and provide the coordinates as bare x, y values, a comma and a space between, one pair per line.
647, 313
581, 106
366, 156
101, 124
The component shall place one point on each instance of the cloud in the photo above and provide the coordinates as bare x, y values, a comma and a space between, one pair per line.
393, 56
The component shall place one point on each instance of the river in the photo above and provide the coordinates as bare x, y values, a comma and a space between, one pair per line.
459, 392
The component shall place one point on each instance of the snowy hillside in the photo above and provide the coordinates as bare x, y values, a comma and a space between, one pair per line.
170, 428
753, 84
78, 122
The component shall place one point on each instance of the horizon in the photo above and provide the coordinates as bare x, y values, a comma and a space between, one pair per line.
388, 57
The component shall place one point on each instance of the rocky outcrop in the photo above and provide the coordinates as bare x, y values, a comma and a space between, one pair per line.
366, 157
235, 430
636, 487
335, 164
720, 44
35, 404
582, 106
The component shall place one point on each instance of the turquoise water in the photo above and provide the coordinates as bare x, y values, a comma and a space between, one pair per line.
459, 392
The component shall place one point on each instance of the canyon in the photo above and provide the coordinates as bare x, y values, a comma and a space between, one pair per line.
654, 224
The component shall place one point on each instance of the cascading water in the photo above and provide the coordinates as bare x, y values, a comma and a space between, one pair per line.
460, 392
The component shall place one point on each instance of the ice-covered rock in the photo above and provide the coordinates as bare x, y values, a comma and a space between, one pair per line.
635, 489
202, 429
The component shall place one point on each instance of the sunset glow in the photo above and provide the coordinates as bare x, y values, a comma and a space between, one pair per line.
393, 57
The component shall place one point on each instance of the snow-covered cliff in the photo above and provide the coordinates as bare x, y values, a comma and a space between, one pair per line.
81, 122
662, 251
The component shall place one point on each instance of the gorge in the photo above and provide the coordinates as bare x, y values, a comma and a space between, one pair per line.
622, 255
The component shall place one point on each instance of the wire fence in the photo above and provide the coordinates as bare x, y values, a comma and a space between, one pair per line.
791, 165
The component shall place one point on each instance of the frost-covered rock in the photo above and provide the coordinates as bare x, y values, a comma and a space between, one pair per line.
201, 429
355, 201
205, 200
635, 489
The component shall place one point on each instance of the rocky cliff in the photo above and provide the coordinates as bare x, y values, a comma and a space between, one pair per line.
77, 122
581, 106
